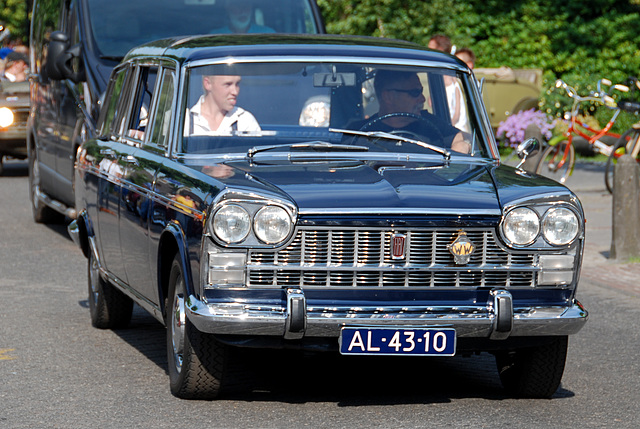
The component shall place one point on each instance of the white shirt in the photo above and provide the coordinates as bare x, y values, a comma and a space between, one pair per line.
453, 91
237, 119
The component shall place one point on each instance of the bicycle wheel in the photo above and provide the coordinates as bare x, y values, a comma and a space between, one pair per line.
626, 144
557, 161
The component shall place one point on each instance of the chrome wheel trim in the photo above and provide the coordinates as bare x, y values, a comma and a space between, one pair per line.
35, 182
94, 282
177, 327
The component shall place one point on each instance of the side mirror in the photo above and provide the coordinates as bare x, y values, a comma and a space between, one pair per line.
525, 149
60, 57
58, 45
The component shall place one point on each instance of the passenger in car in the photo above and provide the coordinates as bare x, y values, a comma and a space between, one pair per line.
216, 112
401, 101
241, 19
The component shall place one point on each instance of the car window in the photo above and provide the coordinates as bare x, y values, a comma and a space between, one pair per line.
142, 101
115, 103
160, 133
281, 103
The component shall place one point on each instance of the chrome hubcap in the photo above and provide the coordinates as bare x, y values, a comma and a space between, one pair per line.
35, 182
94, 282
178, 325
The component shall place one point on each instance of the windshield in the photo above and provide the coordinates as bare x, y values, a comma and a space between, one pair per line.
119, 25
385, 108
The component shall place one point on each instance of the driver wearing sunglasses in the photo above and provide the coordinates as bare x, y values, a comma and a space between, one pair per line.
401, 103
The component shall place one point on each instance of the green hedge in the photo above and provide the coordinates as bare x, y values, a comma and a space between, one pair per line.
579, 41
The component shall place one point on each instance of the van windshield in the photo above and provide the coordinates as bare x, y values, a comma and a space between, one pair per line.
119, 25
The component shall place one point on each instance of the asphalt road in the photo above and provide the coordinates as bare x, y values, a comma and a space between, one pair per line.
56, 371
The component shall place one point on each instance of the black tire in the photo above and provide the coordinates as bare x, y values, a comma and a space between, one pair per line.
551, 164
624, 145
40, 211
200, 367
533, 372
109, 308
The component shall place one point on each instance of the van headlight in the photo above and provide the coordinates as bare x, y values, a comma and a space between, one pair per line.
6, 117
560, 226
521, 226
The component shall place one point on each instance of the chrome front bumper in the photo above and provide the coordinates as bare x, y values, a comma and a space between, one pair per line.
498, 319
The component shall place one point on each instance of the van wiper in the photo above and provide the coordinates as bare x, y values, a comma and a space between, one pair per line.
317, 146
389, 136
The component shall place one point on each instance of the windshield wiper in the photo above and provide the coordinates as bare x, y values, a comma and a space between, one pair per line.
318, 146
389, 136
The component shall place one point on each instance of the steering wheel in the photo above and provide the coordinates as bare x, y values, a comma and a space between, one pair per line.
433, 132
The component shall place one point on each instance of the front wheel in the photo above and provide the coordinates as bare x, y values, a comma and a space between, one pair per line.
109, 308
628, 143
199, 365
533, 372
557, 161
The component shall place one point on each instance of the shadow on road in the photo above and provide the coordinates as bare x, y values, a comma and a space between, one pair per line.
291, 376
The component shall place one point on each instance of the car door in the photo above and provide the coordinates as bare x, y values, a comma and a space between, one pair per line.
149, 126
112, 168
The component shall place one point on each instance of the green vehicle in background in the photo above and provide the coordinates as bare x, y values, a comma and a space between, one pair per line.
506, 91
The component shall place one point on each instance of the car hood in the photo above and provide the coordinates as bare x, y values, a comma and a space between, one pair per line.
375, 186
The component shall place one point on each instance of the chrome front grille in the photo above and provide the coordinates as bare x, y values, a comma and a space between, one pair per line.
361, 257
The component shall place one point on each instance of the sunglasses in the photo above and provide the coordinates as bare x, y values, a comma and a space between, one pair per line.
415, 93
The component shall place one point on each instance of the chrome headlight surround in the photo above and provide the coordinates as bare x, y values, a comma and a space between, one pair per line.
270, 219
561, 223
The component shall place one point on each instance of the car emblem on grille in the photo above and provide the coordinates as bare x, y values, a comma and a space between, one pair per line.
397, 245
461, 249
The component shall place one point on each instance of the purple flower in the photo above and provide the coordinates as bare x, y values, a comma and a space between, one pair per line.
512, 129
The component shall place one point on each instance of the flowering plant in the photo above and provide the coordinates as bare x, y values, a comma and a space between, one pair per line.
513, 128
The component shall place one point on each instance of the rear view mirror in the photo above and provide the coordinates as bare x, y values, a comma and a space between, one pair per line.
334, 79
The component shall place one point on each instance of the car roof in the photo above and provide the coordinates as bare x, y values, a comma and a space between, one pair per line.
194, 48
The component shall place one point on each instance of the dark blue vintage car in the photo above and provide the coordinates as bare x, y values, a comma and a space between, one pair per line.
326, 193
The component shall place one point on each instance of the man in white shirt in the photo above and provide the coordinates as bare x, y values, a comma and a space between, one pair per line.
216, 112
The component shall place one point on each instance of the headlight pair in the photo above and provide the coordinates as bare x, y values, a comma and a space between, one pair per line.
233, 223
559, 226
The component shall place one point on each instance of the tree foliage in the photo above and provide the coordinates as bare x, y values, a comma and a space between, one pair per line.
14, 15
579, 41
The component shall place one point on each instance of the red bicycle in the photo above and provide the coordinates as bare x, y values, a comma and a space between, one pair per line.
558, 159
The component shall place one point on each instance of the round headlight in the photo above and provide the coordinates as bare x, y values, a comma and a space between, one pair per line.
6, 117
231, 223
560, 226
272, 224
521, 226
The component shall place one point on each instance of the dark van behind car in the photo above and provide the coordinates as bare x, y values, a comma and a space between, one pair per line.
76, 43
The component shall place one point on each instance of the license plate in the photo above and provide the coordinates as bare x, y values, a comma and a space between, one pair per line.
394, 341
